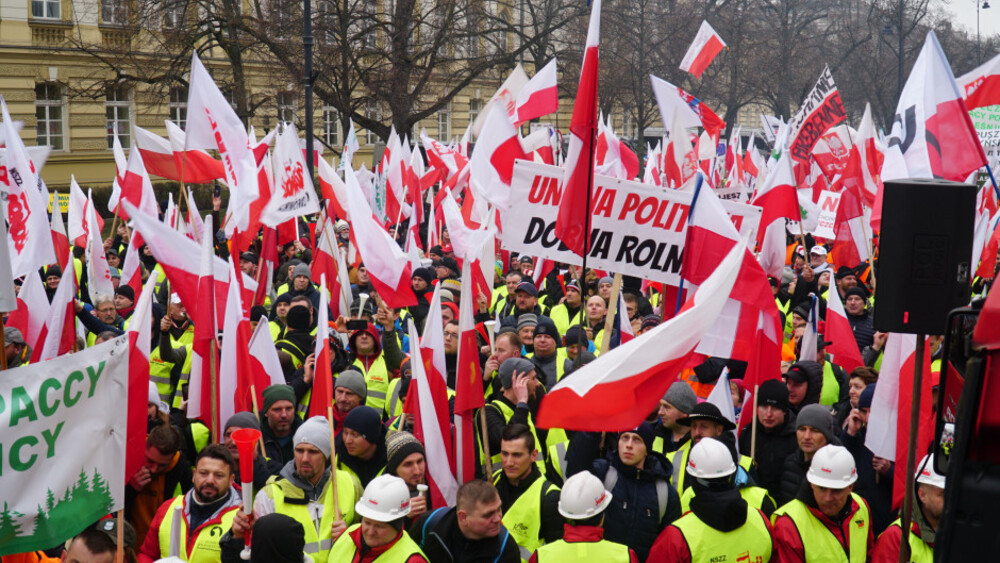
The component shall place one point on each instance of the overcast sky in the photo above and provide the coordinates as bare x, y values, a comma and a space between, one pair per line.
964, 12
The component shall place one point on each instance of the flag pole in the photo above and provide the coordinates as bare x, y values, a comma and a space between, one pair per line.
911, 450
3, 346
120, 536
485, 438
213, 382
699, 180
256, 412
582, 278
609, 318
996, 189
333, 462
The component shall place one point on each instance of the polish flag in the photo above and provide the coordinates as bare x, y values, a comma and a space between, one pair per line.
707, 44
573, 217
76, 227
195, 165
136, 188
321, 397
622, 386
933, 130
213, 124
844, 347
612, 156
59, 333
140, 344
328, 265
237, 378
851, 245
889, 422
157, 154
623, 324
442, 157
492, 162
30, 237
332, 188
294, 194
988, 257
264, 360
60, 242
539, 96
386, 263
98, 271
777, 197
468, 381
179, 258
431, 426
864, 165
131, 272
980, 87
651, 171
203, 396
32, 310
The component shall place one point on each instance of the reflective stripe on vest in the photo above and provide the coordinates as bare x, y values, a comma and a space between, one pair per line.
205, 546
830, 393
316, 517
159, 373
819, 544
377, 380
920, 552
400, 552
679, 462
297, 354
749, 542
557, 455
524, 518
603, 551
507, 412
394, 407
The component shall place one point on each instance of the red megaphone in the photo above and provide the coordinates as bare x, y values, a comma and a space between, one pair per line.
246, 440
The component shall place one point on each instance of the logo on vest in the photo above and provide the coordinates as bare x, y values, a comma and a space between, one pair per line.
520, 528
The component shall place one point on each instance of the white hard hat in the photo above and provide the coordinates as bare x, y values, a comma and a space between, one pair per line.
386, 498
710, 459
583, 496
832, 467
926, 473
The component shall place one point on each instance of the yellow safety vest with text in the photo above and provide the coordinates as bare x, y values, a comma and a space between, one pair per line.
524, 518
377, 380
705, 543
204, 548
344, 550
290, 501
819, 544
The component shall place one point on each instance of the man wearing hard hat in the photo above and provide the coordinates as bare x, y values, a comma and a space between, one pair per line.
926, 516
721, 525
379, 538
826, 517
582, 502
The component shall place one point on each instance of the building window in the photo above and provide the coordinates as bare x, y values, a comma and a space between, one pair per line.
444, 123
49, 114
331, 127
114, 12
475, 107
286, 107
502, 40
178, 106
473, 42
173, 14
374, 112
116, 109
48, 9
628, 125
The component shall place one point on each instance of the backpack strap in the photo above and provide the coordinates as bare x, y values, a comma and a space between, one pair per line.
432, 520
504, 534
661, 496
610, 478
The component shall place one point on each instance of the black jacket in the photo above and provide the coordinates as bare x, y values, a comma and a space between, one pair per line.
864, 329
444, 543
874, 488
278, 454
633, 517
773, 447
552, 522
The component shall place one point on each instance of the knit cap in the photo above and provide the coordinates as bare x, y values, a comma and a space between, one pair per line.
774, 393
645, 431
865, 399
275, 393
398, 447
509, 366
301, 270
681, 396
352, 380
817, 416
366, 421
242, 420
315, 432
527, 319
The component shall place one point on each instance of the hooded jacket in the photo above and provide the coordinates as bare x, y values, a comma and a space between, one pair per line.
444, 542
793, 474
773, 447
814, 374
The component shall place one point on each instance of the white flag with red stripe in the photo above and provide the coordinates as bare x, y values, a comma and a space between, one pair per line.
621, 387
203, 396
98, 272
328, 265
981, 86
58, 335
60, 241
140, 336
492, 162
264, 359
294, 194
844, 347
196, 165
539, 96
131, 272
703, 50
32, 309
237, 378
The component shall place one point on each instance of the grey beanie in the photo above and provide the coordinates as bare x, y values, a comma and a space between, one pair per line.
526, 319
817, 416
301, 270
606, 280
315, 432
242, 420
681, 396
352, 380
509, 366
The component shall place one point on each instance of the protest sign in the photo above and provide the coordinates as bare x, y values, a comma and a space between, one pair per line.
820, 110
827, 217
986, 120
62, 445
636, 229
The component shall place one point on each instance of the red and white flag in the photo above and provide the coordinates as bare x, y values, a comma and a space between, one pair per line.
624, 327
195, 165
140, 336
981, 86
321, 397
779, 200
98, 272
539, 96
29, 239
32, 310
889, 420
131, 272
58, 335
932, 129
703, 50
237, 378
332, 188
843, 347
157, 154
864, 165
386, 263
60, 242
622, 386
213, 124
203, 399
492, 162
329, 268
612, 156
264, 359
573, 218
468, 381
294, 194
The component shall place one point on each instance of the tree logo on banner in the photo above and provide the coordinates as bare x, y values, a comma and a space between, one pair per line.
292, 182
59, 513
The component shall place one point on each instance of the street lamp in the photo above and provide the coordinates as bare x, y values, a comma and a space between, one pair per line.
985, 6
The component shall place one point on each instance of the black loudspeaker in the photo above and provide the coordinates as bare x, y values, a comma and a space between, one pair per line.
925, 247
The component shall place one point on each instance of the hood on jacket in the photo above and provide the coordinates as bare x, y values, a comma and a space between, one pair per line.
312, 492
721, 508
372, 331
814, 375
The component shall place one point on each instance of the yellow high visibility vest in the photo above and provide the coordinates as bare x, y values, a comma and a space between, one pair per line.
290, 501
202, 549
345, 550
818, 542
708, 544
524, 518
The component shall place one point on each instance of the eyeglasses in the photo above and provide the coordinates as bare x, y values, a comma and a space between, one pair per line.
450, 334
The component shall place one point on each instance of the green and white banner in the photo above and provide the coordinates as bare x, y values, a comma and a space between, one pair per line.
62, 445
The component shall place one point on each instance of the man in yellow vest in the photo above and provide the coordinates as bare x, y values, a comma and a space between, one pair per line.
530, 502
206, 512
379, 538
926, 517
304, 491
813, 430
677, 403
582, 502
721, 525
278, 424
519, 387
568, 312
360, 447
826, 521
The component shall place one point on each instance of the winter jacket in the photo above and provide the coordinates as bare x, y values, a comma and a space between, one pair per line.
863, 327
788, 540
444, 543
279, 452
814, 371
773, 447
633, 517
874, 488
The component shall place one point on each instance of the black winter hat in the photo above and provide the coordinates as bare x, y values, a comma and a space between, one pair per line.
774, 393
424, 274
298, 318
